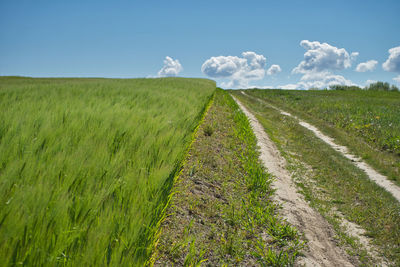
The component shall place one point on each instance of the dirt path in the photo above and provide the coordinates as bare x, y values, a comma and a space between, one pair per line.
378, 178
323, 250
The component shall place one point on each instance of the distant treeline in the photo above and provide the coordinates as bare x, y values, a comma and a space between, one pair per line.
377, 86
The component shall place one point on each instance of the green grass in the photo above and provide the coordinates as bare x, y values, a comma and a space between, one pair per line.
221, 211
368, 122
332, 183
84, 164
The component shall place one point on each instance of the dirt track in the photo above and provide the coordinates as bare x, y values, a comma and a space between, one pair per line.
323, 250
378, 178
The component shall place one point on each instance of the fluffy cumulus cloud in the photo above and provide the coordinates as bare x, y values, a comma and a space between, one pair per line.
274, 69
171, 67
393, 62
238, 70
320, 62
318, 80
366, 66
323, 79
397, 79
322, 57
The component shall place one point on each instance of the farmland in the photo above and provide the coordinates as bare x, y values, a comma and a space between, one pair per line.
368, 122
330, 182
126, 172
85, 165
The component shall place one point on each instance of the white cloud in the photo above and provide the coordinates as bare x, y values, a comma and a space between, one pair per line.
238, 70
171, 67
259, 87
393, 61
236, 84
264, 87
397, 79
318, 80
289, 86
323, 57
274, 69
320, 60
354, 55
222, 67
366, 66
312, 76
368, 82
324, 81
254, 61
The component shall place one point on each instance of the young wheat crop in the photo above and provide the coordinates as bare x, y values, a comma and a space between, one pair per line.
83, 163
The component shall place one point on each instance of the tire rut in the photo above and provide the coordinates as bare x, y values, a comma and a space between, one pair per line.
323, 248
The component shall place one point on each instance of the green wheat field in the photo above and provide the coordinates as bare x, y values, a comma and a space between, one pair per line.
93, 171
83, 164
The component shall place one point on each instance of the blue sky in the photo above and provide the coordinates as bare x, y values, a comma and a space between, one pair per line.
133, 38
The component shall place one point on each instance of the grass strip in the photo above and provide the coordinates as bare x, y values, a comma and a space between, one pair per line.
166, 195
221, 211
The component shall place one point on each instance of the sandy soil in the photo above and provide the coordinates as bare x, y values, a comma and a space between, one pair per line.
323, 249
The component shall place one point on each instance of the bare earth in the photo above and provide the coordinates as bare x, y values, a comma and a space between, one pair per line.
323, 249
